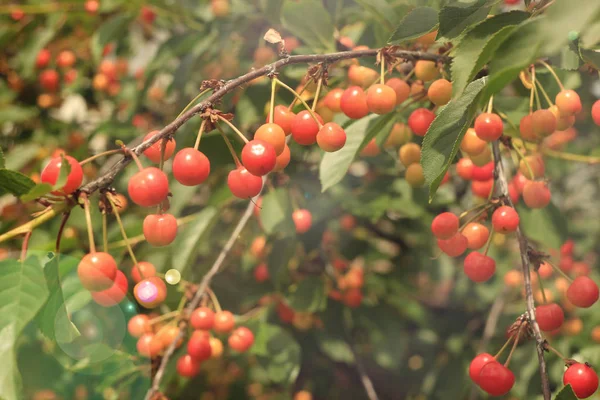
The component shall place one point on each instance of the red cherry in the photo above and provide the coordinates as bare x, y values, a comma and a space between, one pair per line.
190, 167
144, 268
91, 6
479, 267
354, 103
477, 364
596, 112
484, 173
160, 229
148, 16
488, 127
496, 379
331, 137
114, 294
187, 366
138, 325
536, 194
549, 316
202, 318
66, 59
283, 159
582, 378
583, 292
526, 128
199, 346
305, 128
70, 76
261, 273
243, 184
445, 225
566, 264
482, 188
513, 192
511, 2
43, 59
49, 80
283, 117
543, 123
302, 219
148, 345
454, 246
97, 271
568, 102
273, 134
567, 248
333, 100
420, 120
241, 339
520, 181
258, 157
285, 313
464, 168
51, 172
476, 234
352, 297
381, 99
401, 88
153, 152
224, 322
505, 219
148, 187
17, 14
150, 292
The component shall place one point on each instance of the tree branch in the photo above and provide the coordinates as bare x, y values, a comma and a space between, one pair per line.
502, 190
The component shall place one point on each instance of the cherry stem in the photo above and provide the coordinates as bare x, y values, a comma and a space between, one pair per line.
485, 206
317, 94
200, 132
202, 93
512, 350
25, 245
489, 241
490, 104
163, 317
521, 156
104, 232
539, 85
88, 221
103, 154
124, 234
382, 71
272, 105
571, 156
61, 228
293, 103
409, 75
236, 130
504, 346
560, 271
229, 146
542, 287
134, 156
532, 93
213, 299
163, 147
310, 111
549, 68
558, 353
538, 102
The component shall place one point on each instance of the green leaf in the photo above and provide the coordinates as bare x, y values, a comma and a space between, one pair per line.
2, 166
418, 22
21, 155
277, 352
309, 295
22, 292
28, 54
569, 57
111, 29
17, 114
456, 18
14, 182
591, 56
282, 252
335, 165
566, 393
276, 214
185, 246
442, 140
547, 225
382, 11
309, 20
478, 45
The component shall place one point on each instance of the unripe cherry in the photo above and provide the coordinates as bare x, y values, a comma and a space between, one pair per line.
150, 292
505, 219
187, 366
414, 175
482, 158
241, 339
148, 187
596, 112
243, 184
283, 117
568, 102
142, 270
354, 103
168, 334
583, 292
549, 316
224, 322
464, 168
148, 345
371, 149
153, 152
488, 127
476, 234
543, 123
216, 347
114, 294
258, 156
361, 75
535, 163
401, 88
190, 167
381, 99
202, 318
496, 379
479, 267
333, 100
484, 173
331, 137
302, 220
426, 70
97, 271
410, 153
139, 325
305, 128
582, 378
454, 246
283, 159
477, 364
160, 229
51, 172
420, 120
482, 188
399, 135
445, 225
440, 92
273, 134
536, 194
471, 143
65, 59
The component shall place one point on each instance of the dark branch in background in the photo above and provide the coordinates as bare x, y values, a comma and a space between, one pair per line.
502, 190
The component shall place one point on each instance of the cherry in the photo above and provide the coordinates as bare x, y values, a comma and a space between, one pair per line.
484, 173
410, 153
401, 88
285, 313
198, 346
482, 158
549, 316
49, 80
148, 187
567, 248
352, 297
496, 379
543, 123
160, 229
596, 112
505, 219
520, 181
241, 339
355, 278
51, 172
445, 225
568, 102
513, 193
361, 76
91, 6
220, 8
283, 159
243, 184
464, 169
70, 76
371, 149
257, 248
114, 294
283, 117
536, 164
454, 246
331, 137
187, 366
147, 15
216, 347
399, 135
150, 292
477, 364
224, 322
536, 194
354, 103
139, 325
440, 92
153, 152
482, 188
145, 268
526, 128
583, 292
479, 267
333, 100
305, 128
66, 59
17, 14
273, 134
97, 271
511, 2
302, 220
347, 223
476, 234
381, 99
261, 273
566, 264
190, 167
582, 378
202, 318
414, 175
545, 270
426, 70
471, 143
488, 127
43, 58
148, 345
258, 156
168, 334
420, 120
